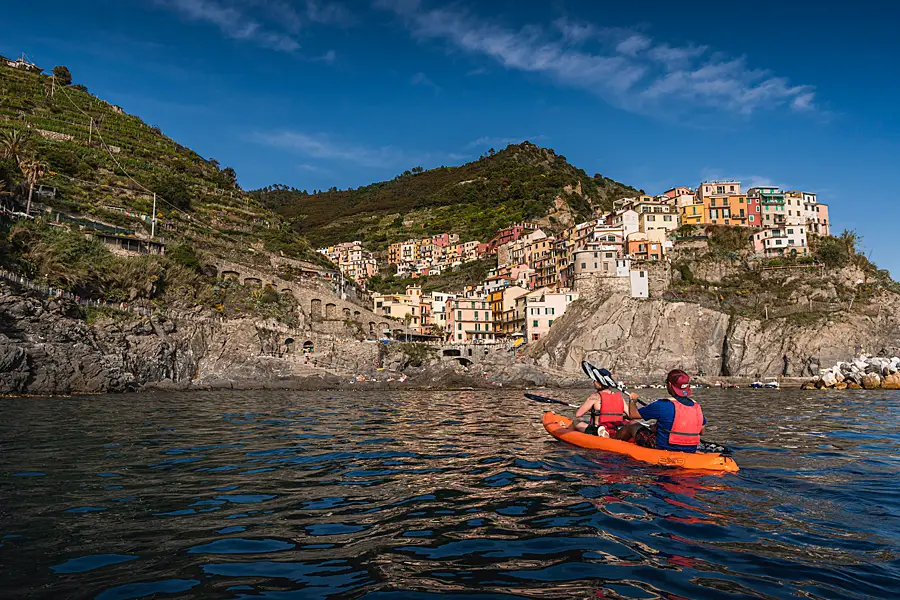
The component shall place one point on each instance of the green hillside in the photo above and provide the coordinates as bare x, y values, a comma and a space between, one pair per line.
106, 164
518, 183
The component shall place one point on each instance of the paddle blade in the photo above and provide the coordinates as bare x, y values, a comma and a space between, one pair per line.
546, 400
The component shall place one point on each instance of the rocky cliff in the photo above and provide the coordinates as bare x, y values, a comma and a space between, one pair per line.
638, 338
47, 347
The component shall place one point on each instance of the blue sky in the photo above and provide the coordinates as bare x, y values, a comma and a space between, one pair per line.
315, 94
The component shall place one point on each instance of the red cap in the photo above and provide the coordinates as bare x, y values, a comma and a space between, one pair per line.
679, 383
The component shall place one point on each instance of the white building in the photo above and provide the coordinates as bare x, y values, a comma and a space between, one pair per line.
640, 284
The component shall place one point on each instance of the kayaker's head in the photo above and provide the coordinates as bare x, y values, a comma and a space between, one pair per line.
603, 380
678, 383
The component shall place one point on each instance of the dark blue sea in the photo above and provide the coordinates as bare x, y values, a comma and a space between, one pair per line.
382, 495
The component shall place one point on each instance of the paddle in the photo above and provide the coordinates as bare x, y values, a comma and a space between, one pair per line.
546, 400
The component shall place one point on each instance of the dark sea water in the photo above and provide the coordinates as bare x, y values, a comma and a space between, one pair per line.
284, 495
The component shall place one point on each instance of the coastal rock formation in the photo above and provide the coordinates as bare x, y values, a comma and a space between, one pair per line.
46, 347
637, 338
867, 372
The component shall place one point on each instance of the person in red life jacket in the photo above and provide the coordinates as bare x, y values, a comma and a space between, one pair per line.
607, 407
679, 420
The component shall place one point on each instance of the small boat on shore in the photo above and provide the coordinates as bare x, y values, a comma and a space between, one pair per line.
770, 383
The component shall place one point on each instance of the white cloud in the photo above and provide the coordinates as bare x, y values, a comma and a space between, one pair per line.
232, 22
421, 79
271, 24
628, 69
309, 168
325, 147
633, 45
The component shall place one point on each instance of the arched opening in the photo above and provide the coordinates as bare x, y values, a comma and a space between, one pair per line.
356, 314
230, 275
347, 314
287, 291
470, 352
315, 309
463, 361
307, 347
451, 352
330, 312
252, 282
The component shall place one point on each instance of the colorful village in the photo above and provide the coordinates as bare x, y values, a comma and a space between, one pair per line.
538, 276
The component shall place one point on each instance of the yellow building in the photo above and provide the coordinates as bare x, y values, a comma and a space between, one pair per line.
693, 214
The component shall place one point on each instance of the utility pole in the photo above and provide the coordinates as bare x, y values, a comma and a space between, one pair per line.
53, 86
91, 131
153, 221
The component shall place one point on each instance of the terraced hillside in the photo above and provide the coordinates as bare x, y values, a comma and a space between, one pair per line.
521, 182
105, 166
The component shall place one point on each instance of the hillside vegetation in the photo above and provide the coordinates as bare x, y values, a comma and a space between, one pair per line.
474, 200
106, 165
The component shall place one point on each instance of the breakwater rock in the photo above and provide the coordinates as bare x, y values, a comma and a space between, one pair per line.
864, 372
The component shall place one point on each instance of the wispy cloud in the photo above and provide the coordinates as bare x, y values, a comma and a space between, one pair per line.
629, 69
326, 147
313, 169
421, 79
501, 142
272, 24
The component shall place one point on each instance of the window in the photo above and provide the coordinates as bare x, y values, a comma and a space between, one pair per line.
643, 273
790, 231
550, 323
459, 326
534, 323
535, 336
667, 218
477, 326
732, 188
583, 266
459, 336
459, 315
595, 255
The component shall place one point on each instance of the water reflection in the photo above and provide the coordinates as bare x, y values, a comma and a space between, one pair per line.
286, 495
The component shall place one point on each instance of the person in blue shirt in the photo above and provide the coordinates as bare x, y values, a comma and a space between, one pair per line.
679, 420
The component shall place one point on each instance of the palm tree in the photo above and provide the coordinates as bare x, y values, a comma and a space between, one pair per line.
850, 239
13, 143
33, 169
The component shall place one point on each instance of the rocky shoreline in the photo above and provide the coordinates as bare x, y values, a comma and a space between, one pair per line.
864, 372
49, 348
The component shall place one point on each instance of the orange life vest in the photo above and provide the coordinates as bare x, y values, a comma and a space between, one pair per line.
612, 408
687, 425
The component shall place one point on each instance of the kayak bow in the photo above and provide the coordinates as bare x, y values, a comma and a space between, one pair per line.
558, 426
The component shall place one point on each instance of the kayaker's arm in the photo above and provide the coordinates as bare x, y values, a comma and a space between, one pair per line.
585, 407
633, 411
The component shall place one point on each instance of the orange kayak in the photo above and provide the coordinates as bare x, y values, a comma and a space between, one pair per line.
558, 426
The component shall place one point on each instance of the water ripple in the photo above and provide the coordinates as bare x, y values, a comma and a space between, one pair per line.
283, 495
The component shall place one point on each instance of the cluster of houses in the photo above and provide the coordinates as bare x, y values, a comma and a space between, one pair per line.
538, 275
354, 261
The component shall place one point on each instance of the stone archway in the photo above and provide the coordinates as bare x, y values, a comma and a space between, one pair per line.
315, 309
330, 312
452, 352
252, 282
371, 328
230, 275
347, 314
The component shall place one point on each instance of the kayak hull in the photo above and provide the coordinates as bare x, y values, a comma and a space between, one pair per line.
558, 426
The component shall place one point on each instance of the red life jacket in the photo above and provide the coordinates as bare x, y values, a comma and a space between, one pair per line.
612, 408
688, 423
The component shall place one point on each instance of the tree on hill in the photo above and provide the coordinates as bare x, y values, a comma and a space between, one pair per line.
62, 74
174, 190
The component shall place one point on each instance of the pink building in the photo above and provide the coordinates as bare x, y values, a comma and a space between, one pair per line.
678, 191
783, 240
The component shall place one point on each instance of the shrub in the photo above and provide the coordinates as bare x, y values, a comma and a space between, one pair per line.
184, 254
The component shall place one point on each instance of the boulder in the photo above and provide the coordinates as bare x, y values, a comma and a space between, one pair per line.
871, 381
854, 386
840, 385
891, 382
809, 385
828, 379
